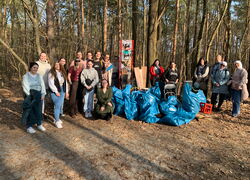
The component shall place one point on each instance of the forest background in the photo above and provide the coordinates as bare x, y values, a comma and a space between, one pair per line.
171, 30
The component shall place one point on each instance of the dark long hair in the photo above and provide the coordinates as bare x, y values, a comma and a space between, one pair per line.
63, 71
199, 62
155, 61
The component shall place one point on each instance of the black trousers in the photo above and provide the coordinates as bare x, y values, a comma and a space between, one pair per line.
222, 97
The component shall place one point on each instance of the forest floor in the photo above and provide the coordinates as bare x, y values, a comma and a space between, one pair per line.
216, 146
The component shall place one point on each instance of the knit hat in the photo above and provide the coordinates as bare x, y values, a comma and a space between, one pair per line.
224, 63
238, 62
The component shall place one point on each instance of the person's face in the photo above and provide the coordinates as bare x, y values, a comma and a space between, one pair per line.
98, 55
57, 66
219, 58
157, 63
202, 62
79, 55
34, 69
43, 57
104, 83
89, 55
62, 61
222, 66
237, 65
173, 65
107, 57
90, 64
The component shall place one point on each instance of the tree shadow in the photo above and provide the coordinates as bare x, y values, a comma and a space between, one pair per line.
6, 172
141, 160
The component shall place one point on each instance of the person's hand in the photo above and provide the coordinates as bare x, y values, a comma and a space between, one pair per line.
217, 84
167, 80
57, 94
42, 98
110, 104
67, 96
102, 108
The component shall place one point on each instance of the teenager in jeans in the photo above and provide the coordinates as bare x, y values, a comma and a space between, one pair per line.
89, 79
34, 89
57, 80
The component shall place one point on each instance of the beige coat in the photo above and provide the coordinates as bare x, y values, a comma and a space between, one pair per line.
239, 82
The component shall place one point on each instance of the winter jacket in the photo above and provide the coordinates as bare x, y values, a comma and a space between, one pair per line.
239, 82
221, 77
153, 74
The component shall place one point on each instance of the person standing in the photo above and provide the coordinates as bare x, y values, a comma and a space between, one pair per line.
216, 66
156, 72
98, 64
201, 75
171, 75
34, 89
57, 80
220, 88
62, 63
75, 90
43, 70
89, 79
107, 69
238, 87
83, 62
104, 106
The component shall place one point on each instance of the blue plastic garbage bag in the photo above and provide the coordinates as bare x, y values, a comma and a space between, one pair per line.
156, 91
169, 105
148, 107
118, 101
190, 100
130, 109
178, 118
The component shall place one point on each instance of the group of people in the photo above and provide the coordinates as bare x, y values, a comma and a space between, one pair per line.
224, 84
79, 82
86, 78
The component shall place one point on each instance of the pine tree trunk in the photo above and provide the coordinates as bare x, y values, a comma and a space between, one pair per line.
82, 22
216, 30
201, 32
50, 12
177, 7
105, 25
145, 32
134, 28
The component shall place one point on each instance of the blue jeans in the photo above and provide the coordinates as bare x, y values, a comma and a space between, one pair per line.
236, 98
88, 101
58, 103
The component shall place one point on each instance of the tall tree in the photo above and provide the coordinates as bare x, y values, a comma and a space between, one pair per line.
50, 19
134, 26
105, 25
201, 31
216, 30
177, 7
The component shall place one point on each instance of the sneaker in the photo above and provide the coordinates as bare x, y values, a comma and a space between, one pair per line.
60, 121
86, 114
58, 125
31, 130
63, 115
41, 128
90, 115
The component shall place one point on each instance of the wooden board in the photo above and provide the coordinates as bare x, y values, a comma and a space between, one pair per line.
141, 77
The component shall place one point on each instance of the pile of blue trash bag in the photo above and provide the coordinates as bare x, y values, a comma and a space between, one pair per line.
149, 106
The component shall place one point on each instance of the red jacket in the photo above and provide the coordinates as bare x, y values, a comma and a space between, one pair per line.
152, 72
